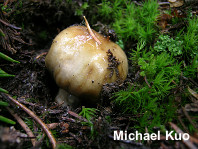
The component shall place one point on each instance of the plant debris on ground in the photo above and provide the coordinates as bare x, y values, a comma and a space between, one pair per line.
160, 93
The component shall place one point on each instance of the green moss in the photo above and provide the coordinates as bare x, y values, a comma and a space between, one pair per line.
109, 10
137, 22
191, 70
160, 66
191, 39
105, 9
129, 20
80, 10
152, 95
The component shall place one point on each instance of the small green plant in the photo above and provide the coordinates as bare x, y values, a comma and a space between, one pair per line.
167, 44
89, 114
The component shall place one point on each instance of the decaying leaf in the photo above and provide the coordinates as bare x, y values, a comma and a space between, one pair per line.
176, 3
163, 20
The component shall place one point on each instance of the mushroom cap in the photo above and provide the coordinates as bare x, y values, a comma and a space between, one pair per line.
79, 64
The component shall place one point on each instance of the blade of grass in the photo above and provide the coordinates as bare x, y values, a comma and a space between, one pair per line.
3, 90
7, 120
3, 56
6, 75
2, 103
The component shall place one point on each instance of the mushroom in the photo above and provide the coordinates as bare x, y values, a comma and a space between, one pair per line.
81, 61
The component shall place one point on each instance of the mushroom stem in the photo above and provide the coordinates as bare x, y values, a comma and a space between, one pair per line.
90, 31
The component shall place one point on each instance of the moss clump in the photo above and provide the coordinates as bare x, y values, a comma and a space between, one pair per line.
131, 22
151, 97
160, 66
190, 38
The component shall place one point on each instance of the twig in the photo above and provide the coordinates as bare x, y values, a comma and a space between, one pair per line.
90, 31
191, 80
193, 93
24, 126
147, 82
21, 100
75, 137
35, 117
135, 2
163, 3
77, 116
37, 57
20, 40
185, 128
6, 2
174, 82
186, 142
10, 25
163, 146
195, 140
172, 27
68, 119
189, 118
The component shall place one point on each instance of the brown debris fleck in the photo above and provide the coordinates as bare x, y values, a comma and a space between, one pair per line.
113, 64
